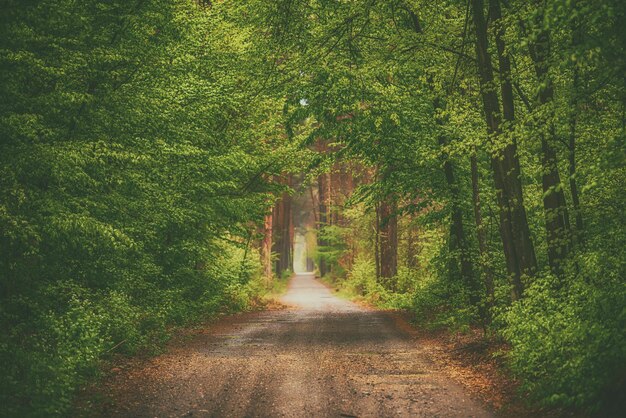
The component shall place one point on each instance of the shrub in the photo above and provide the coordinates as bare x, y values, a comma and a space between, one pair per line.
569, 345
70, 328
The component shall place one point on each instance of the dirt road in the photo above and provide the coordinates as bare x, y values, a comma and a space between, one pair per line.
325, 357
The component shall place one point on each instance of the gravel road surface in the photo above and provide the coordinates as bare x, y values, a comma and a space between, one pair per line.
322, 357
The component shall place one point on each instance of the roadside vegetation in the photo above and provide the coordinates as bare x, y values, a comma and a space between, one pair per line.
465, 160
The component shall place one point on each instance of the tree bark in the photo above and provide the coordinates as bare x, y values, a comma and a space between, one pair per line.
459, 246
411, 245
266, 247
572, 173
481, 235
377, 240
555, 208
578, 237
388, 236
514, 231
323, 219
282, 225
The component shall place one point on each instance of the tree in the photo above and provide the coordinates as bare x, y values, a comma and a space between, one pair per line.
518, 246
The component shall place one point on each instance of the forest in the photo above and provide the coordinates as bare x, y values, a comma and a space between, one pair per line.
163, 162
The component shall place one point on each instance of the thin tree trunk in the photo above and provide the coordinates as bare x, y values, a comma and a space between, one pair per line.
322, 214
388, 236
334, 186
313, 204
377, 240
277, 220
555, 208
411, 245
330, 201
266, 247
573, 119
572, 174
286, 258
511, 170
459, 246
481, 235
282, 232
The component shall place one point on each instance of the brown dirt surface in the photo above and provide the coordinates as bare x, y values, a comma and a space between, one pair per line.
320, 357
478, 363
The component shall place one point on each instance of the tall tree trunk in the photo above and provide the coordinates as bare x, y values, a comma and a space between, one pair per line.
323, 218
459, 246
554, 205
334, 192
388, 238
519, 251
517, 244
266, 247
573, 119
277, 221
330, 201
283, 232
288, 231
511, 170
481, 235
411, 244
377, 240
572, 169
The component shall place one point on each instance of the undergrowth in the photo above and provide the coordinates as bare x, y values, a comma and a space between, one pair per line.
70, 329
567, 345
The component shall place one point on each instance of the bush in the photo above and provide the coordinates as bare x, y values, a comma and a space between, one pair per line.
361, 280
50, 352
440, 303
569, 346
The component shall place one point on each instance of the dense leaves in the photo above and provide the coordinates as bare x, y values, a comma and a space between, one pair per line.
143, 144
496, 129
132, 169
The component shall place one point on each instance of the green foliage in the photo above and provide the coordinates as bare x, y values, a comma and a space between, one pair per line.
361, 281
333, 249
285, 275
71, 327
133, 156
394, 85
569, 348
138, 140
438, 304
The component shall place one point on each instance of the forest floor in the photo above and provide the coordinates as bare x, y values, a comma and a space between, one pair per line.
318, 356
